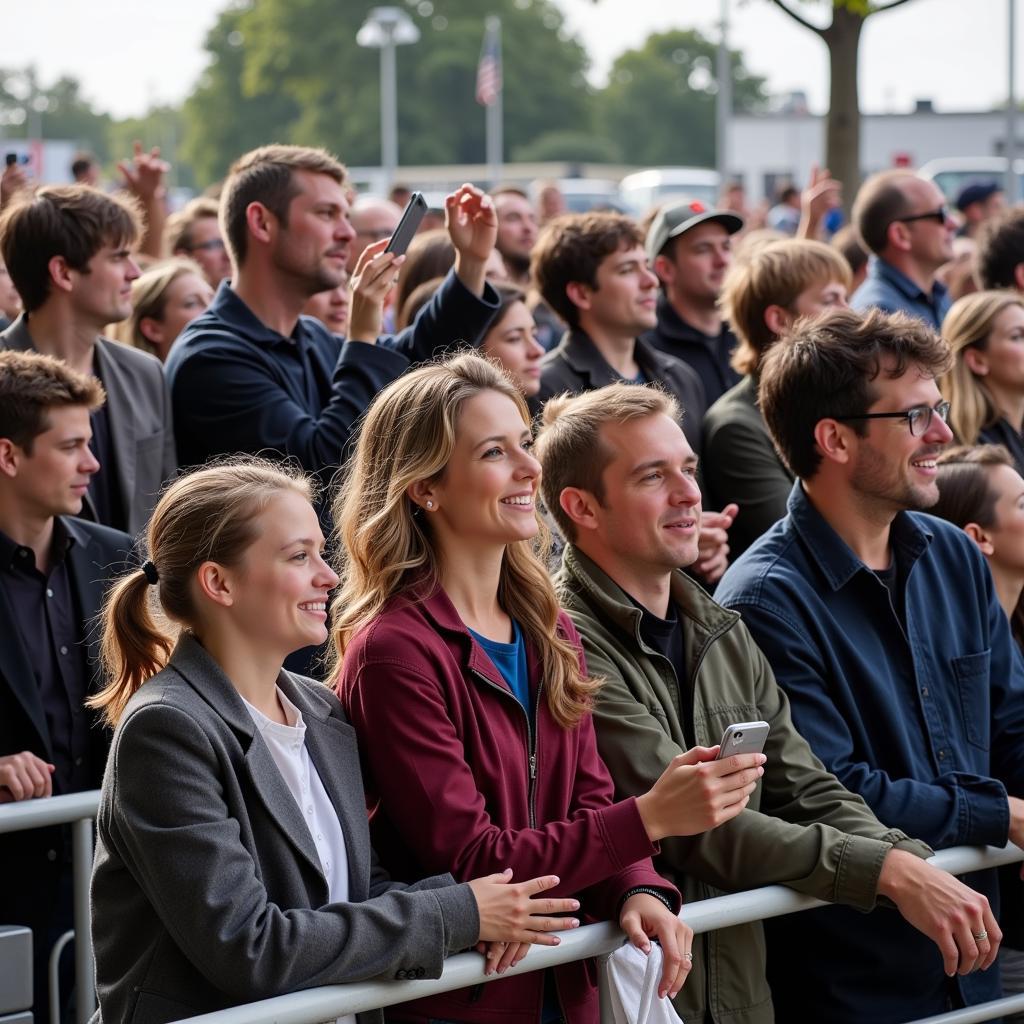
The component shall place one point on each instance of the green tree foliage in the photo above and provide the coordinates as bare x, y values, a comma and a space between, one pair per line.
291, 71
659, 104
57, 111
222, 119
580, 147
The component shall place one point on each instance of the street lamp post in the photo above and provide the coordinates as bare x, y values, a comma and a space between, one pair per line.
723, 98
384, 29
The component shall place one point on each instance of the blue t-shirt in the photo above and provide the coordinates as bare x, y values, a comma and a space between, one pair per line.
510, 661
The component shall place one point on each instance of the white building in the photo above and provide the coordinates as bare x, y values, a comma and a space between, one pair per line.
766, 149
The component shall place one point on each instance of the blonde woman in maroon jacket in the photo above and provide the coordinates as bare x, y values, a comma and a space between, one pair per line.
467, 687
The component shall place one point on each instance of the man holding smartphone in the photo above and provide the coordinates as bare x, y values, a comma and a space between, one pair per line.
253, 375
620, 479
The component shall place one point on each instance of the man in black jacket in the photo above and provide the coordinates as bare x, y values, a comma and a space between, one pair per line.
53, 573
592, 271
251, 374
690, 249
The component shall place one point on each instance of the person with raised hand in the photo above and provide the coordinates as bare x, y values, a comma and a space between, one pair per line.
233, 856
254, 375
470, 696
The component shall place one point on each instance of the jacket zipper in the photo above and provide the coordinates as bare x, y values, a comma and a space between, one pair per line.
531, 771
531, 743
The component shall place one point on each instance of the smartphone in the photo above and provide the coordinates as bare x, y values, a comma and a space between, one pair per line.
744, 738
413, 213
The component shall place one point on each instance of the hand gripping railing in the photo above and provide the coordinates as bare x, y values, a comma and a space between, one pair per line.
464, 970
597, 940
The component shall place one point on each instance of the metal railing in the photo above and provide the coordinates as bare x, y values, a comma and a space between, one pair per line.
78, 811
598, 940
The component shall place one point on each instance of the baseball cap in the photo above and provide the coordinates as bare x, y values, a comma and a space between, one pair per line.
976, 192
677, 218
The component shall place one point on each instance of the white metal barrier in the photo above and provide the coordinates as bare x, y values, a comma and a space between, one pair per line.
598, 940
78, 811
464, 970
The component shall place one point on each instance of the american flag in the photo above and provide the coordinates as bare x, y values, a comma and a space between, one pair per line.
488, 71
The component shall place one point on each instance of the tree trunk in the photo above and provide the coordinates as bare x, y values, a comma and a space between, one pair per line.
842, 146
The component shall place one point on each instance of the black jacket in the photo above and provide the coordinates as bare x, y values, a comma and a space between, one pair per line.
239, 386
707, 356
35, 857
576, 365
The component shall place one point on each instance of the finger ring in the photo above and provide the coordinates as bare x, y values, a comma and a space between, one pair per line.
980, 936
687, 956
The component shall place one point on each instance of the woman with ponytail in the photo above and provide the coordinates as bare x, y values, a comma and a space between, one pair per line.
233, 858
467, 688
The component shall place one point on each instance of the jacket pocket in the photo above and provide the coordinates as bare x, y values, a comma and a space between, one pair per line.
971, 672
154, 1008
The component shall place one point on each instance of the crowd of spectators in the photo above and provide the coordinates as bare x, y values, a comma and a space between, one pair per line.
397, 602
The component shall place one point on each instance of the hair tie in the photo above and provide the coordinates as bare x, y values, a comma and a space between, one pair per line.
152, 576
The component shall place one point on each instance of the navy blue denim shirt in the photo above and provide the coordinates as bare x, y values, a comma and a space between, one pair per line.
891, 290
924, 720
239, 386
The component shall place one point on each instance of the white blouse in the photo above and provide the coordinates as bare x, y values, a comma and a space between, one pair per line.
287, 745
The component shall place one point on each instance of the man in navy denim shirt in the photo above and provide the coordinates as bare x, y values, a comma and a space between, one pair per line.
904, 221
883, 626
251, 374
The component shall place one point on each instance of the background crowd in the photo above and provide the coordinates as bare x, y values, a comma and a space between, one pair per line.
547, 502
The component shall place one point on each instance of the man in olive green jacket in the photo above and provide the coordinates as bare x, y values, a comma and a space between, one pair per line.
618, 476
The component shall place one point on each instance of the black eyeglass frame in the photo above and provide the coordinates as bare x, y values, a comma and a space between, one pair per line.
914, 412
942, 216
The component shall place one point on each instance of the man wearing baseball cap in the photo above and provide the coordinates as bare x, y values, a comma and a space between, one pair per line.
690, 249
979, 201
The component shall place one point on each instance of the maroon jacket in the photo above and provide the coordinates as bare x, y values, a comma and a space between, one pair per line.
465, 785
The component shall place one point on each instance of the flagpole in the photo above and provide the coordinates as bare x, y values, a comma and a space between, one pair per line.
494, 115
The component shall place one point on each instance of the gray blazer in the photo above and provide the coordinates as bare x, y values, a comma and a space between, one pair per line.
207, 890
139, 409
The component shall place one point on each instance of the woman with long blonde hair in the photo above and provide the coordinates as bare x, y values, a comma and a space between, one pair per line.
468, 690
233, 857
985, 387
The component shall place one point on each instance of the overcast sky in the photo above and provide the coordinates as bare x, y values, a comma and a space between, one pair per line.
131, 53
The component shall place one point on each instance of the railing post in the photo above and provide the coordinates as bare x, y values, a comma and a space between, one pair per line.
81, 866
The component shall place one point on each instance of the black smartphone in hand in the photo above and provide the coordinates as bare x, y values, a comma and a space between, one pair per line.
412, 215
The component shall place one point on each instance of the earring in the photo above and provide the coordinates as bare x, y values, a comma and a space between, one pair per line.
430, 504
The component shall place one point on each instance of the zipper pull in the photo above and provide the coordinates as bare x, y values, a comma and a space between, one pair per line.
533, 766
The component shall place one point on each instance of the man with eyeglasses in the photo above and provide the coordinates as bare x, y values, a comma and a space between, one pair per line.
194, 232
904, 221
883, 627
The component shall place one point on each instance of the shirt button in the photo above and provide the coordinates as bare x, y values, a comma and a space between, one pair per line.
924, 691
49, 592
63, 649
78, 762
942, 755
51, 855
309, 809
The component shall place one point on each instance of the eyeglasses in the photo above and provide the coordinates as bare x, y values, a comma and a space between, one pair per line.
941, 215
919, 417
213, 245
